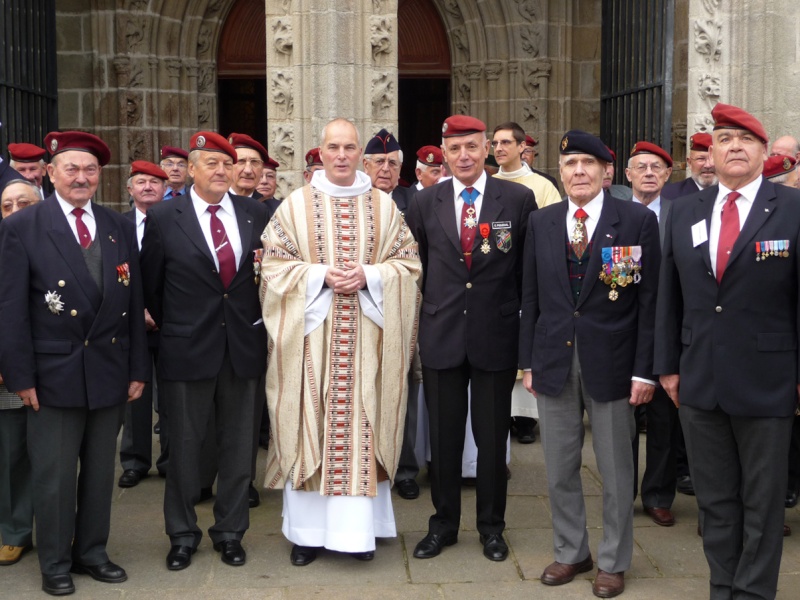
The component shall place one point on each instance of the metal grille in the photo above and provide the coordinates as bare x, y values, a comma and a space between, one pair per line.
28, 84
636, 75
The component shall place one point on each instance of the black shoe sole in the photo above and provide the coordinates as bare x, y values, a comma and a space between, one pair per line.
82, 570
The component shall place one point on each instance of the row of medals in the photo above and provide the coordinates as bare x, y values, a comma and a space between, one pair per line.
470, 222
772, 248
622, 274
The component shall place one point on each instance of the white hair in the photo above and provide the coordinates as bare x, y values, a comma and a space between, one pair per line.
399, 154
422, 166
14, 163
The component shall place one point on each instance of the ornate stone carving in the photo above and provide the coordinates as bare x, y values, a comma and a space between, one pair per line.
708, 39
136, 75
204, 111
377, 6
204, 39
463, 90
709, 89
206, 79
173, 68
215, 6
192, 68
493, 70
530, 10
382, 95
285, 187
530, 113
380, 36
704, 123
134, 32
282, 95
460, 39
136, 147
532, 74
513, 67
133, 109
136, 5
531, 39
282, 32
283, 143
473, 71
451, 7
711, 6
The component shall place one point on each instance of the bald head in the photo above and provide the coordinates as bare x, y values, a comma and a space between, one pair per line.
785, 145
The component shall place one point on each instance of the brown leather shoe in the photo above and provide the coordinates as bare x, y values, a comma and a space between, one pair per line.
660, 516
10, 555
608, 585
787, 531
559, 573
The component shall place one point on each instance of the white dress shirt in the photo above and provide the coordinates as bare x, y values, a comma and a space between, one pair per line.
87, 218
140, 216
227, 215
458, 187
593, 208
743, 204
655, 206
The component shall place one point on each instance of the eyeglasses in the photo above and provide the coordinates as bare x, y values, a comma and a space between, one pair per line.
168, 164
253, 163
655, 168
502, 143
382, 162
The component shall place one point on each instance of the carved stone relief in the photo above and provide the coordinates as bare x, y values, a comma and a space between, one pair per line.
530, 10
285, 187
460, 40
204, 111
532, 74
134, 32
708, 39
133, 109
382, 95
283, 143
380, 36
531, 39
137, 147
136, 5
283, 40
451, 7
173, 68
493, 70
709, 89
204, 39
282, 95
206, 79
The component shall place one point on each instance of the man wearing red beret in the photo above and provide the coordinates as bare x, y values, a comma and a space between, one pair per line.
268, 185
471, 231
702, 172
199, 286
429, 166
74, 350
28, 160
727, 339
313, 163
174, 162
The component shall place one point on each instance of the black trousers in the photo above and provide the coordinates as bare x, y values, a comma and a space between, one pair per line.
446, 395
72, 507
191, 404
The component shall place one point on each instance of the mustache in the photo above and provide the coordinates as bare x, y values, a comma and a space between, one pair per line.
79, 186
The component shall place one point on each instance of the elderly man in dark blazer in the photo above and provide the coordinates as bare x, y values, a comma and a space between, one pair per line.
702, 172
74, 350
727, 352
586, 344
470, 231
201, 289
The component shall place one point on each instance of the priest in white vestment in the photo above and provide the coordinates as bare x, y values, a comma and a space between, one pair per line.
340, 303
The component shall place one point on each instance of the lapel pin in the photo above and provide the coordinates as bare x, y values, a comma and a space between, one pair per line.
608, 235
249, 221
766, 210
113, 241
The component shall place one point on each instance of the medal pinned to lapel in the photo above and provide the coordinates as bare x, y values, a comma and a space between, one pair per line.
485, 230
54, 303
124, 274
621, 267
258, 253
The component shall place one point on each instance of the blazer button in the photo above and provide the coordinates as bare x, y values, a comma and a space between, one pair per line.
86, 343
569, 344
465, 312
113, 340
224, 295
61, 283
123, 314
576, 314
73, 312
223, 324
469, 286
718, 309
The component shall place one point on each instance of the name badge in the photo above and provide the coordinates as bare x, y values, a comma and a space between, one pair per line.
501, 224
699, 233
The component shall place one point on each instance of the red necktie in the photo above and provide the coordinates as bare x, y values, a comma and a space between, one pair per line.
222, 246
579, 234
84, 236
728, 232
469, 222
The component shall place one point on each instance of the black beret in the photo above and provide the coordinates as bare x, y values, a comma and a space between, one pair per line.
576, 141
382, 143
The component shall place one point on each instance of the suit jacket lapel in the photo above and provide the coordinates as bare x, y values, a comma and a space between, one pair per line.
556, 245
245, 221
605, 234
761, 210
702, 211
63, 239
190, 225
445, 212
666, 205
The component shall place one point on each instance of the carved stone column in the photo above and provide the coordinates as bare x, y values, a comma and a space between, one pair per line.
344, 64
743, 53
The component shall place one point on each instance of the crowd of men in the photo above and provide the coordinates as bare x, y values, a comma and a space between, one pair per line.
311, 325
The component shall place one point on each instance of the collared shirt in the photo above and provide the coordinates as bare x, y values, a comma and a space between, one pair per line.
169, 193
227, 215
593, 208
140, 216
250, 195
459, 187
418, 185
655, 206
743, 204
87, 218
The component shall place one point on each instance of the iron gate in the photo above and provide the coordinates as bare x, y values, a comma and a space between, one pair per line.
636, 75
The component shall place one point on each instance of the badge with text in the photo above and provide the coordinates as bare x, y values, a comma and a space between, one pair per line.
622, 267
485, 230
124, 274
765, 249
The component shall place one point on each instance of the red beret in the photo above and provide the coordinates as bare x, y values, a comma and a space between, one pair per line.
142, 167
732, 117
613, 154
61, 141
430, 155
312, 158
529, 141
240, 140
212, 142
461, 125
167, 151
648, 148
778, 165
26, 152
700, 142
271, 163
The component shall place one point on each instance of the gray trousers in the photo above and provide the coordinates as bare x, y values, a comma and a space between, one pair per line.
562, 433
191, 404
739, 469
16, 503
72, 506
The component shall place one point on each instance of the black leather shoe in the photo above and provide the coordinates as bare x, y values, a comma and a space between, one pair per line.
791, 498
408, 489
303, 555
363, 555
685, 485
130, 478
107, 573
431, 545
179, 557
494, 546
525, 430
58, 585
232, 552
253, 499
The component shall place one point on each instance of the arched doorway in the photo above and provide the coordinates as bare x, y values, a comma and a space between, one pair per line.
242, 71
424, 78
